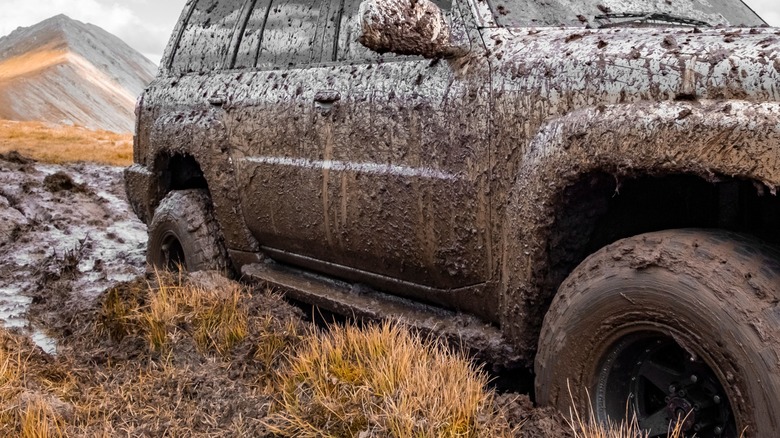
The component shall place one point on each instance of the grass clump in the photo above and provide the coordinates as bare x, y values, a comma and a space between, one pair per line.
383, 380
30, 391
217, 319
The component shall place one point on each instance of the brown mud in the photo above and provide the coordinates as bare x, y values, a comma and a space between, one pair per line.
62, 222
68, 244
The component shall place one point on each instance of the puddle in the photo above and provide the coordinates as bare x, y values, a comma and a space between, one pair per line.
13, 306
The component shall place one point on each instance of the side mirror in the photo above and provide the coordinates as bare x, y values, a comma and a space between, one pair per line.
406, 27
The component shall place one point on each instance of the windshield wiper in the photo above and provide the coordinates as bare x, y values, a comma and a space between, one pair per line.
649, 18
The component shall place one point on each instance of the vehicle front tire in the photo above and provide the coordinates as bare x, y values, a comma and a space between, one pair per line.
184, 233
674, 324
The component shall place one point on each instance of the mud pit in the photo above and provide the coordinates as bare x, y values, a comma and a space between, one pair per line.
69, 223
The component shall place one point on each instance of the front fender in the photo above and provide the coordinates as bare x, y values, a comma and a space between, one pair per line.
705, 138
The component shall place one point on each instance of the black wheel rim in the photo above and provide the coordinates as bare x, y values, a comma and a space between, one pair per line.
172, 253
651, 376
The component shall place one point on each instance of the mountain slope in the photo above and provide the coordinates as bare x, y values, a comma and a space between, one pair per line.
65, 71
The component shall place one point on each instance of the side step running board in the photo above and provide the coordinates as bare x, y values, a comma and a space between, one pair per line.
482, 341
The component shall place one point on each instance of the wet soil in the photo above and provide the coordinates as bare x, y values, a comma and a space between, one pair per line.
68, 239
56, 222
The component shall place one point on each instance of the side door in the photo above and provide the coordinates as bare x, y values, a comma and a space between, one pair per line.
349, 161
405, 188
274, 146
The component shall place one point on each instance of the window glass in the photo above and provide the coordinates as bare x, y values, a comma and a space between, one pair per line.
253, 33
290, 33
349, 49
206, 38
581, 13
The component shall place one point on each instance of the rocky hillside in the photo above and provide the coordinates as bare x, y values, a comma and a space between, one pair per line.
66, 72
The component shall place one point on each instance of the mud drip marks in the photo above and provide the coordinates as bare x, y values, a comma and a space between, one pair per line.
62, 247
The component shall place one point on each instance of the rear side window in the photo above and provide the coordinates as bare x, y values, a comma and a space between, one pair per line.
284, 33
206, 38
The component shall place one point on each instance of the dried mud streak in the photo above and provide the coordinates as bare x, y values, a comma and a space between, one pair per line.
480, 149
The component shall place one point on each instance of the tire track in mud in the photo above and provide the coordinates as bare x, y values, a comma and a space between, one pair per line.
62, 222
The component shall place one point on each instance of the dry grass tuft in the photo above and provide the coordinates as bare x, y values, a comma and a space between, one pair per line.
590, 427
217, 319
29, 391
65, 144
40, 421
383, 381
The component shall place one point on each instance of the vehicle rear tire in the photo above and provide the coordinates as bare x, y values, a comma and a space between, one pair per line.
185, 233
682, 322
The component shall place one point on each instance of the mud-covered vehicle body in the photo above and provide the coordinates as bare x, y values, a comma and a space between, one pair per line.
584, 187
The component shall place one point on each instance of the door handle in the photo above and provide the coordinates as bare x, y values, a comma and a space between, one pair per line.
217, 100
327, 96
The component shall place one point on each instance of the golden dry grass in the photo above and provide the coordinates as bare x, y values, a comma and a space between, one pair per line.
383, 380
217, 319
218, 362
65, 144
26, 390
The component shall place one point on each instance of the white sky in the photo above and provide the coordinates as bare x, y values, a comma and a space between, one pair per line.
146, 25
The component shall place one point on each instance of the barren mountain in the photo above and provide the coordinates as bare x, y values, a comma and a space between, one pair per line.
66, 72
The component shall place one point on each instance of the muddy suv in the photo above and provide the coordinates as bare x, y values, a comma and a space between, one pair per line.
586, 189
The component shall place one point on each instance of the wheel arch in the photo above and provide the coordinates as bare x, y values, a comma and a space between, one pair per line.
191, 151
586, 170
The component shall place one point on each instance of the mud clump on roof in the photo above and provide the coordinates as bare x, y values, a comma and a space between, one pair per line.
61, 181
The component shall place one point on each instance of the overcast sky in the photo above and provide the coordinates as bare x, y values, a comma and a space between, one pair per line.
147, 24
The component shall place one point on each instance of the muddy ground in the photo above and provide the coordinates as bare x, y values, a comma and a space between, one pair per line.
56, 221
67, 236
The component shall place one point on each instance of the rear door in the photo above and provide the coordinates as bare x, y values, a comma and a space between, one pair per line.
405, 184
348, 158
275, 145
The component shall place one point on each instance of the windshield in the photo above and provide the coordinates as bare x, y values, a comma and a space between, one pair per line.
581, 13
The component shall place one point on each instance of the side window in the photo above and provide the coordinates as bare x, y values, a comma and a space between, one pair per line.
284, 33
349, 49
207, 35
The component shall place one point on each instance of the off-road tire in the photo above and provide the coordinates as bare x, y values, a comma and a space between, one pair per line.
715, 293
186, 216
